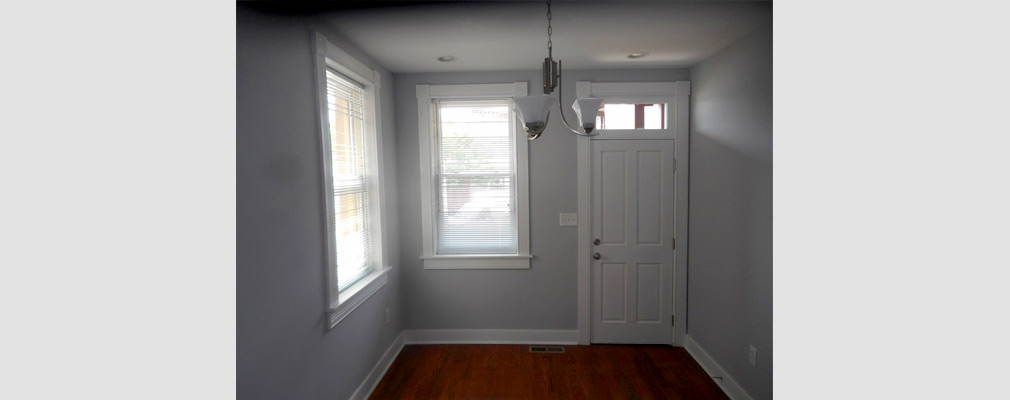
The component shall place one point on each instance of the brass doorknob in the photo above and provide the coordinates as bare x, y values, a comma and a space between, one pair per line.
596, 256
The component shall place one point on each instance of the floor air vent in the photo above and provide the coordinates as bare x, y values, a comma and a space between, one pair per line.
547, 349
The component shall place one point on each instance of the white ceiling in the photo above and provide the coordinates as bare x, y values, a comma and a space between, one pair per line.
495, 36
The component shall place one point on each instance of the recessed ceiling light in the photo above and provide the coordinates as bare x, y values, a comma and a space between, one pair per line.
638, 54
447, 58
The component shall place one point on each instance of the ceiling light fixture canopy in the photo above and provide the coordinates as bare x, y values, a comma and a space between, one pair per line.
534, 111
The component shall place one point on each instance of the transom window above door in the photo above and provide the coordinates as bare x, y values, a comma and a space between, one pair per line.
631, 116
637, 110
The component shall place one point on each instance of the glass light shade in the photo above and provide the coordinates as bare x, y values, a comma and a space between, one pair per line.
586, 109
534, 111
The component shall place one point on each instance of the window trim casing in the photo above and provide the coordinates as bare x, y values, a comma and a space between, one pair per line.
327, 55
425, 122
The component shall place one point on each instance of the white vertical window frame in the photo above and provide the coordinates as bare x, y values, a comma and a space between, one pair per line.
329, 57
426, 95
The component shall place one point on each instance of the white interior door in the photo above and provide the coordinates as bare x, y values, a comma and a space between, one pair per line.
633, 219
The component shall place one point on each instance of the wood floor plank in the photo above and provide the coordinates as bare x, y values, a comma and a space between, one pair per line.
512, 372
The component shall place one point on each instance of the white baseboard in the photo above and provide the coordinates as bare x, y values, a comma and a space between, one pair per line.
490, 336
728, 385
379, 370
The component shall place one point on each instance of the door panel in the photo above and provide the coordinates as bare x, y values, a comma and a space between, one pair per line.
613, 200
649, 299
650, 196
632, 282
613, 308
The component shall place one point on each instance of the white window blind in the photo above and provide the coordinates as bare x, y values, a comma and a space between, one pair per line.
345, 102
475, 178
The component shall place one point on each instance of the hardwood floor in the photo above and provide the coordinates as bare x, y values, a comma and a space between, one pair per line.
512, 372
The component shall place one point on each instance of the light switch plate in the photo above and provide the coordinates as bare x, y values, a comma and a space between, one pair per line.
568, 219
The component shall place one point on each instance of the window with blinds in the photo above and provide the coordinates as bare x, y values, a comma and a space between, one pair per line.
475, 178
345, 103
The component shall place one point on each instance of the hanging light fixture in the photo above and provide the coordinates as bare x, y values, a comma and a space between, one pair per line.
534, 111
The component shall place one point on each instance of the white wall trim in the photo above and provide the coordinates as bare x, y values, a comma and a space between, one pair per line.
492, 90
519, 89
640, 89
373, 378
682, 164
424, 127
477, 262
355, 295
342, 61
425, 94
491, 336
582, 89
727, 383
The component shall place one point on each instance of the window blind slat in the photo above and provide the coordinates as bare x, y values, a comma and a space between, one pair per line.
349, 178
475, 178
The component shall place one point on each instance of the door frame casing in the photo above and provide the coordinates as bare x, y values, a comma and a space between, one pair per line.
678, 95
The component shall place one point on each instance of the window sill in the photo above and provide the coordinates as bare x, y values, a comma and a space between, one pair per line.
353, 296
477, 262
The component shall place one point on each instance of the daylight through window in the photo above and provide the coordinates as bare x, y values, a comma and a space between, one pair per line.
475, 178
632, 116
345, 101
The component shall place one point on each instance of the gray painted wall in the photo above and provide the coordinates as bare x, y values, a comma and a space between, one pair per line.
730, 249
283, 347
284, 350
543, 297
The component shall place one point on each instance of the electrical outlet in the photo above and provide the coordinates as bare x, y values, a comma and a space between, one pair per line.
389, 317
568, 219
753, 355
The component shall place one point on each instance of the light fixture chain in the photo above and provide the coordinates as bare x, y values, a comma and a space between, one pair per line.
550, 46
